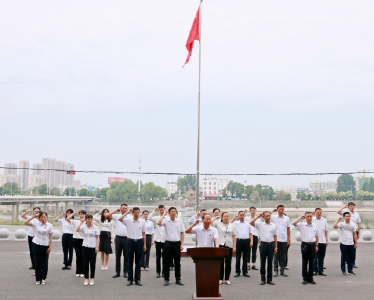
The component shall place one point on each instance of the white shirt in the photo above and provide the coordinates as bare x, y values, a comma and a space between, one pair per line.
253, 229
225, 233
346, 232
105, 226
89, 235
135, 229
173, 229
308, 233
160, 230
42, 232
149, 227
121, 229
193, 219
243, 229
355, 218
67, 227
322, 228
266, 231
76, 235
205, 238
31, 230
282, 225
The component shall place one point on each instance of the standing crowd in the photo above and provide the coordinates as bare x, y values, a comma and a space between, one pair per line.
134, 233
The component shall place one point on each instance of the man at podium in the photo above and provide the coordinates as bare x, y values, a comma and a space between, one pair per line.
206, 235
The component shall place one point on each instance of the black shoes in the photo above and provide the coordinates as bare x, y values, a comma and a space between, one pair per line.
276, 273
179, 282
344, 273
125, 275
312, 282
322, 274
283, 274
355, 266
166, 282
129, 283
305, 282
254, 268
351, 273
31, 268
271, 283
64, 268
262, 283
158, 275
68, 268
246, 275
138, 282
116, 275
237, 275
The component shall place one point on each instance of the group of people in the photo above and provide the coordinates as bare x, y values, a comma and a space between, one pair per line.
136, 232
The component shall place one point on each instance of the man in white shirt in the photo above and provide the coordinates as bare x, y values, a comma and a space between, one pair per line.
244, 240
174, 239
197, 217
136, 243
323, 240
252, 211
267, 232
284, 239
309, 245
206, 235
120, 240
348, 242
355, 218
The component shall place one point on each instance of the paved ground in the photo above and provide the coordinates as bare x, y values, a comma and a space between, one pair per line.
17, 282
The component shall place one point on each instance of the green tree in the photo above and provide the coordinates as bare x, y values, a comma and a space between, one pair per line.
185, 183
10, 189
55, 191
42, 189
151, 191
371, 185
346, 183
83, 192
366, 186
282, 195
255, 196
248, 190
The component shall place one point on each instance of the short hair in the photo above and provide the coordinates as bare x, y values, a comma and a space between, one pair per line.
171, 208
42, 213
161, 206
203, 210
240, 212
252, 207
206, 215
351, 203
89, 216
345, 213
214, 209
280, 205
83, 212
145, 211
135, 208
69, 211
318, 209
308, 213
265, 212
36, 208
124, 204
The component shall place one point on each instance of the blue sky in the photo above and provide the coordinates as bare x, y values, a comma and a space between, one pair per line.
286, 86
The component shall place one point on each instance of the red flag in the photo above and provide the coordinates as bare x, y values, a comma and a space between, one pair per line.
194, 36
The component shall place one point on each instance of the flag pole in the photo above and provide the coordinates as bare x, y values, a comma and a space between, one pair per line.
197, 192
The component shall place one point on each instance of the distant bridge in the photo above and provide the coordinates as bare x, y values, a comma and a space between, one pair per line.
15, 201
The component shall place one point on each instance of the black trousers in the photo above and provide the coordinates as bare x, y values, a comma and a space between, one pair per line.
226, 265
280, 257
120, 243
41, 262
77, 243
266, 252
253, 250
172, 251
31, 249
159, 249
319, 258
145, 257
67, 248
242, 247
307, 253
89, 261
348, 256
134, 248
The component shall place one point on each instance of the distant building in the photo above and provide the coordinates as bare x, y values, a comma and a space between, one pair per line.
210, 186
76, 183
222, 183
323, 186
301, 190
10, 178
12, 169
24, 173
36, 180
39, 169
171, 188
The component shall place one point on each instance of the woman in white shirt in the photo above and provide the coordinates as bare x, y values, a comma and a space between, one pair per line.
90, 247
78, 241
227, 239
149, 232
30, 235
67, 238
42, 244
106, 226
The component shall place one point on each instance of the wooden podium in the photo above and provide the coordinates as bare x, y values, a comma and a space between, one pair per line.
208, 264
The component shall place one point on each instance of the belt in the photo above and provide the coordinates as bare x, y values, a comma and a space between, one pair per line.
243, 239
308, 243
173, 242
267, 243
137, 240
149, 234
120, 236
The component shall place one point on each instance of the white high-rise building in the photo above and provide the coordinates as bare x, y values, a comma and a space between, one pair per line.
210, 186
39, 169
10, 178
24, 173
12, 169
222, 183
171, 188
36, 180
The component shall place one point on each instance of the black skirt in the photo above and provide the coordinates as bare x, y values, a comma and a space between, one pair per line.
105, 242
